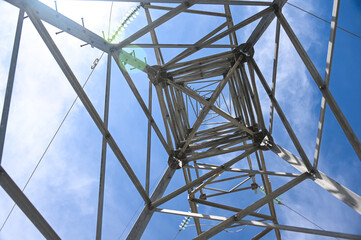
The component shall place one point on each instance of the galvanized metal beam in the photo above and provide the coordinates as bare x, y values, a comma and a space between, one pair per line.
337, 190
331, 45
350, 134
155, 23
26, 206
104, 153
85, 100
300, 229
231, 2
282, 116
10, 83
237, 217
147, 212
202, 178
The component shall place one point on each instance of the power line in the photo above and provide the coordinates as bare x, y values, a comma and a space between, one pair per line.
303, 10
141, 204
51, 141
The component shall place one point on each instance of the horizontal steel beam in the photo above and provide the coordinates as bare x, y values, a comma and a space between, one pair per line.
237, 217
190, 214
346, 127
202, 178
177, 45
250, 3
156, 23
300, 229
67, 25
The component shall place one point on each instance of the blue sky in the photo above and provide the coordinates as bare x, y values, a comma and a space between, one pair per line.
65, 186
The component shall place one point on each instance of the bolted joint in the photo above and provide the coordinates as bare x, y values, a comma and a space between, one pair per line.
150, 206
159, 76
203, 196
322, 86
175, 163
245, 49
254, 186
276, 7
253, 128
263, 139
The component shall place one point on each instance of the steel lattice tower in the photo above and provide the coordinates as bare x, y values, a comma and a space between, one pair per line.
203, 83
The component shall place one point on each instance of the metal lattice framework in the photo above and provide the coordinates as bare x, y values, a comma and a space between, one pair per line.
190, 140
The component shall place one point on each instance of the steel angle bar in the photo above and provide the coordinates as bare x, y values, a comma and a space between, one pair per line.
231, 2
237, 217
222, 193
264, 23
350, 134
141, 103
165, 115
104, 153
257, 104
10, 83
268, 189
67, 25
191, 214
229, 208
262, 234
188, 51
158, 53
203, 60
207, 107
85, 100
202, 178
177, 45
200, 99
249, 172
274, 73
331, 45
216, 152
204, 42
282, 116
149, 139
156, 23
187, 11
147, 212
339, 191
26, 206
300, 229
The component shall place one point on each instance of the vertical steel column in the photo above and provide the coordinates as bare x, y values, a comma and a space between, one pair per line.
347, 129
274, 74
85, 100
104, 153
10, 84
283, 118
331, 45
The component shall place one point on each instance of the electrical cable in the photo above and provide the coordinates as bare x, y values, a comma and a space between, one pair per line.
110, 18
95, 64
302, 216
51, 141
141, 204
303, 10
